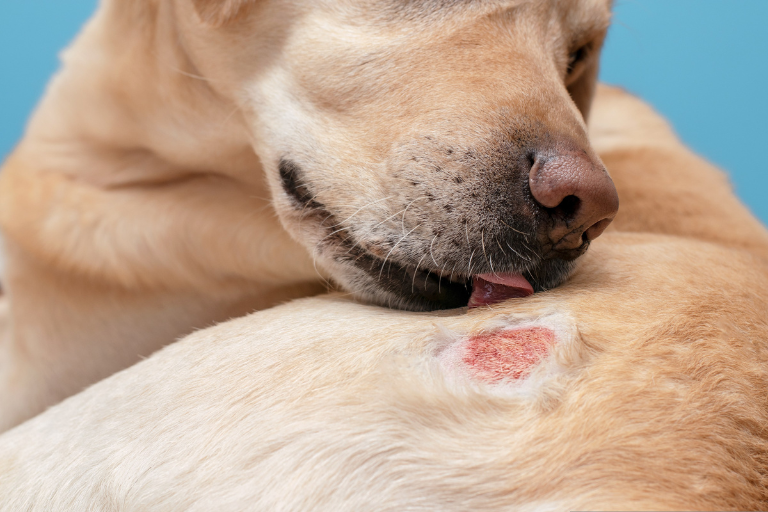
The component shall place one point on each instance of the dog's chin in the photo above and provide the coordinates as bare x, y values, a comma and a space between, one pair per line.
402, 286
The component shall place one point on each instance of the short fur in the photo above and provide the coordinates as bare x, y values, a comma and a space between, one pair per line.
657, 399
142, 202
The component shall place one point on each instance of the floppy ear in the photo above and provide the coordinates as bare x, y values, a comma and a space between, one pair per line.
220, 12
582, 90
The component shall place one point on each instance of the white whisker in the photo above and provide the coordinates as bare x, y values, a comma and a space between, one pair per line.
453, 270
385, 220
362, 208
430, 251
402, 223
413, 281
482, 243
393, 248
439, 281
513, 229
520, 255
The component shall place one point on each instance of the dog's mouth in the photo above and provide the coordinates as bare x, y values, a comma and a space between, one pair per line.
424, 289
402, 283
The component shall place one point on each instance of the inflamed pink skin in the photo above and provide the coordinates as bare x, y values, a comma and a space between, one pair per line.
498, 356
507, 354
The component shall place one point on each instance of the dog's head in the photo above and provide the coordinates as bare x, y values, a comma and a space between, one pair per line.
412, 145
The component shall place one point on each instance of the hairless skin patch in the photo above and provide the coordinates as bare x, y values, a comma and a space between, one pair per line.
502, 355
506, 354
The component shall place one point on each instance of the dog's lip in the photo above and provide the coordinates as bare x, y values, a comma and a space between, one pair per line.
481, 289
417, 287
488, 289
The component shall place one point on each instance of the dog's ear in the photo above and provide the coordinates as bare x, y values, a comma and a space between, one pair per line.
582, 90
221, 12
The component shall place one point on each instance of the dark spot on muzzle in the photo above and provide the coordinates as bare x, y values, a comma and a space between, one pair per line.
295, 186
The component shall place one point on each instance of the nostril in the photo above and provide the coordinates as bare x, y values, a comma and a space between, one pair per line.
568, 209
596, 230
531, 156
576, 193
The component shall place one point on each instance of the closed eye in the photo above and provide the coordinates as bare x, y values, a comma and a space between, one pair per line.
577, 57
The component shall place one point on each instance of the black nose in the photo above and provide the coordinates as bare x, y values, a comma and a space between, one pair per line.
577, 194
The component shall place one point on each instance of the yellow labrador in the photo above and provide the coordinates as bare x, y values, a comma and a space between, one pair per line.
640, 384
194, 157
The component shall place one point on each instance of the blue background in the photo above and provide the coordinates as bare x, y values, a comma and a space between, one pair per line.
702, 63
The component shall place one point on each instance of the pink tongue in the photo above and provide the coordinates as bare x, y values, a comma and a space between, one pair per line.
489, 289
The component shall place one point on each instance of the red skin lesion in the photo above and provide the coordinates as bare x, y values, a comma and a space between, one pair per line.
509, 354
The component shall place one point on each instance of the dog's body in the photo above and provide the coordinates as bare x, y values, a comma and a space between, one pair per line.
652, 395
408, 148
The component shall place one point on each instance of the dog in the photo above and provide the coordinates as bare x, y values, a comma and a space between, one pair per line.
196, 160
640, 384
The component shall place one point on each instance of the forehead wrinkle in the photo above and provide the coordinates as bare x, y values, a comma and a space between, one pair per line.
402, 10
557, 24
580, 19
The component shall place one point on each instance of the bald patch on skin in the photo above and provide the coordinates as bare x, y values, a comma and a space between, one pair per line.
500, 356
509, 354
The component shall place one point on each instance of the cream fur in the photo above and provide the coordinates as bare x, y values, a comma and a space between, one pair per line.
653, 399
143, 201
